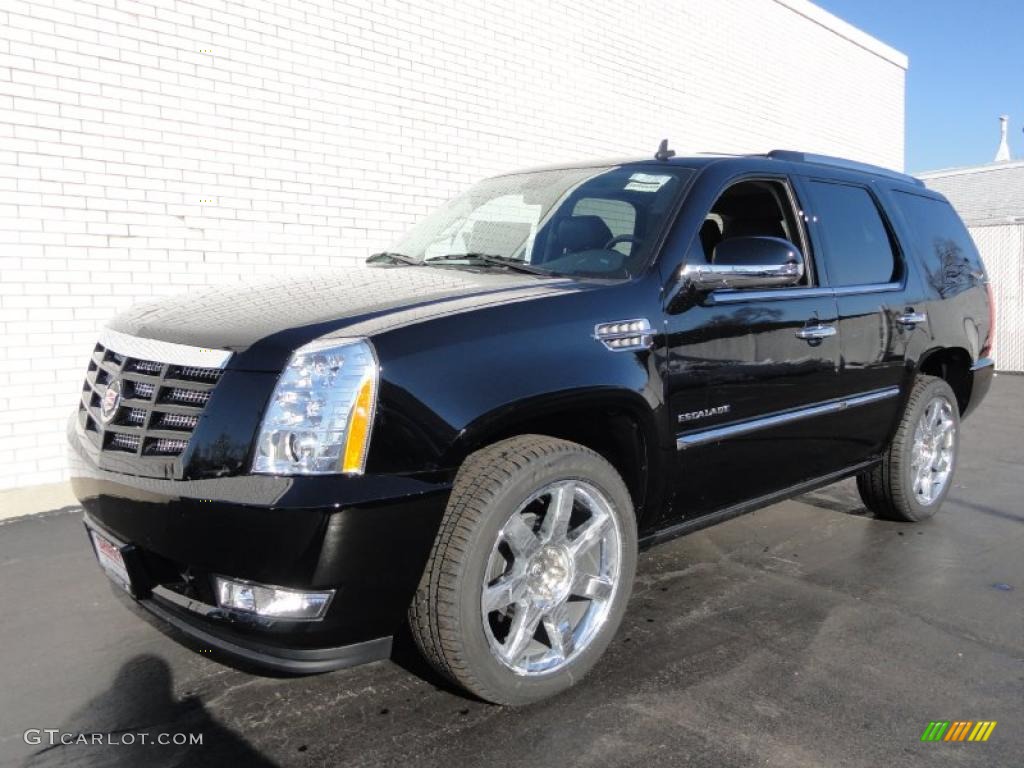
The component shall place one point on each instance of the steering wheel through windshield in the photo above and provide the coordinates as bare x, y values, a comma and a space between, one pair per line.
621, 239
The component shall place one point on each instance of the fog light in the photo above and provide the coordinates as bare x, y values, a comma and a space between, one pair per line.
271, 602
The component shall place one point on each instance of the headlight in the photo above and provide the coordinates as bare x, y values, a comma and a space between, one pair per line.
319, 419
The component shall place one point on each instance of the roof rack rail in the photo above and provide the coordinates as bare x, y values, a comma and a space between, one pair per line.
838, 162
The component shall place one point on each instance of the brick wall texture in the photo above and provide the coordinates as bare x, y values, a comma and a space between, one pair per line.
152, 147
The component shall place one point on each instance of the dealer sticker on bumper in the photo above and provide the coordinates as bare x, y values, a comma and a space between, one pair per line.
109, 555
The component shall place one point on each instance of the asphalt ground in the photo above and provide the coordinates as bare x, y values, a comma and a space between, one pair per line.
805, 634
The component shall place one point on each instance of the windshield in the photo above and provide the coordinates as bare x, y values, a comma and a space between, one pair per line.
587, 222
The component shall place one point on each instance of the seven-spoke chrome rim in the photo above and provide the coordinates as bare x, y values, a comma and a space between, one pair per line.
551, 578
934, 450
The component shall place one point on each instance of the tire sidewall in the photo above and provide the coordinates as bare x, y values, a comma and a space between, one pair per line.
934, 388
490, 672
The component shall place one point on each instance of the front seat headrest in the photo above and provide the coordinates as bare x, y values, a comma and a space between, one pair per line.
582, 233
710, 236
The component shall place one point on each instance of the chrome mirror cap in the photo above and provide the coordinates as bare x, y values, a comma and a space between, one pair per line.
747, 262
712, 277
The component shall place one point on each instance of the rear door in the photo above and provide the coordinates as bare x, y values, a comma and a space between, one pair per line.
879, 301
951, 273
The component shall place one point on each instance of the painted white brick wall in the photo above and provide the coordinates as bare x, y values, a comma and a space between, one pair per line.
150, 146
1002, 250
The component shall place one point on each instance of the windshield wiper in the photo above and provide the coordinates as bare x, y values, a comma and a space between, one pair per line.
394, 257
490, 258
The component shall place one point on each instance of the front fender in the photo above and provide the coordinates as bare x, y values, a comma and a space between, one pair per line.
508, 419
454, 383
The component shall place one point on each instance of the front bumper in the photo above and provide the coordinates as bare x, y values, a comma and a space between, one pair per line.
368, 538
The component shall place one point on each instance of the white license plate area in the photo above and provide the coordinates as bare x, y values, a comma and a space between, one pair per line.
109, 556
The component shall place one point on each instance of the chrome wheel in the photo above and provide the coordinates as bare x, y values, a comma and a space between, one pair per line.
934, 451
551, 577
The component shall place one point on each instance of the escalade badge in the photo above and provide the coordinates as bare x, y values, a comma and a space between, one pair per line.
703, 413
111, 399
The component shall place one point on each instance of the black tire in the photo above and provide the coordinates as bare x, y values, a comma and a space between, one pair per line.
446, 617
887, 489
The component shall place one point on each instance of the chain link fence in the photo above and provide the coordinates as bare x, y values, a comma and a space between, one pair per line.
1002, 249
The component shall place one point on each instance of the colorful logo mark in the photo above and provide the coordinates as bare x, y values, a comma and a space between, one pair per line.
958, 730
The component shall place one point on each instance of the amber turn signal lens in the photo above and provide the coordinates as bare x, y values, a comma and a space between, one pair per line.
359, 429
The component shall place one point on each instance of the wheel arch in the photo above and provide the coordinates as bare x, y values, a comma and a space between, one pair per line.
953, 365
618, 424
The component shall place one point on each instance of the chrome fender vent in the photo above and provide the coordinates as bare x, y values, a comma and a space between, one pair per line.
625, 335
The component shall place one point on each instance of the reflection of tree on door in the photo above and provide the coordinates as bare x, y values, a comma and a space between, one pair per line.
954, 272
742, 320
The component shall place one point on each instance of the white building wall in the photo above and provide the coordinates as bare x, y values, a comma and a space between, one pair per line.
150, 146
1002, 250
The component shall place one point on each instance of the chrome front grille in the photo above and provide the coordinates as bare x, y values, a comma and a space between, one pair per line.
160, 403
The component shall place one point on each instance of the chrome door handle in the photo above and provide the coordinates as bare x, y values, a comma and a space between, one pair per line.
912, 318
816, 332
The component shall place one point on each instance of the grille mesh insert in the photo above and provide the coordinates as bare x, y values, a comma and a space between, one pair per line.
141, 390
135, 416
163, 446
186, 396
197, 374
122, 442
147, 366
177, 421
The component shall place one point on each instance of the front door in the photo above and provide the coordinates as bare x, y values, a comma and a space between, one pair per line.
752, 373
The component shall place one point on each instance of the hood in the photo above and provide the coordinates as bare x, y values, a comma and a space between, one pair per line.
287, 312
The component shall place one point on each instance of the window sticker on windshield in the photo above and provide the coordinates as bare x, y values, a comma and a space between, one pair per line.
646, 182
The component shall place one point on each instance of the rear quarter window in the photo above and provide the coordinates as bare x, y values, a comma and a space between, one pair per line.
950, 259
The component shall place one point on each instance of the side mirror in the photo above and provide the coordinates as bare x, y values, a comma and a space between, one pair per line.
747, 262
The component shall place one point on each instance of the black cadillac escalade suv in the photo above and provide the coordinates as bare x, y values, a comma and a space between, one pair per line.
477, 432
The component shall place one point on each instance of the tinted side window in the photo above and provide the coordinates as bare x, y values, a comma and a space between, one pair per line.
951, 261
858, 247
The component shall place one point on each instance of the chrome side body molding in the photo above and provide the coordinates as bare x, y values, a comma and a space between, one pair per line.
714, 434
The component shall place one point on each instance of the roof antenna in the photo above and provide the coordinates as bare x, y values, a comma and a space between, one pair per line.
664, 153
